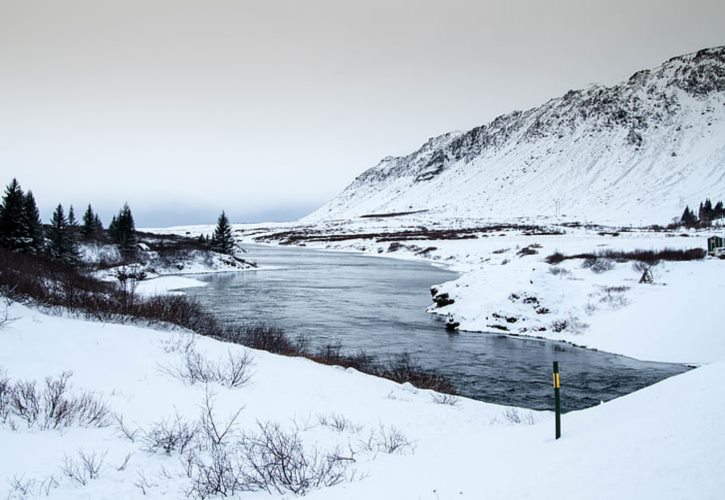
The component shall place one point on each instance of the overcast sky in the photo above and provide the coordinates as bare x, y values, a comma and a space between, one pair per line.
269, 108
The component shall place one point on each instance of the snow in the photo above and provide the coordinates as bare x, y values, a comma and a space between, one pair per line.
662, 442
572, 158
547, 165
672, 320
165, 284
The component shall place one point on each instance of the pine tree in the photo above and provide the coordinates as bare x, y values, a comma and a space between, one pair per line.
61, 243
719, 211
88, 228
203, 240
127, 227
113, 229
222, 240
122, 228
14, 231
74, 229
34, 224
707, 211
688, 217
92, 226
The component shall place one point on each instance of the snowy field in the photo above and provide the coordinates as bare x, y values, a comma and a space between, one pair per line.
379, 439
397, 442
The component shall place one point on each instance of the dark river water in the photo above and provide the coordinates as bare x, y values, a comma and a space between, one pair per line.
378, 305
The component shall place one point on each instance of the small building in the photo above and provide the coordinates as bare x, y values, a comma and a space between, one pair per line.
716, 246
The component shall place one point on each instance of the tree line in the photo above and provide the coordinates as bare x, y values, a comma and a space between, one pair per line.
21, 228
706, 214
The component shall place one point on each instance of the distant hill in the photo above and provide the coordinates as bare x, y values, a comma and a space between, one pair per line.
629, 153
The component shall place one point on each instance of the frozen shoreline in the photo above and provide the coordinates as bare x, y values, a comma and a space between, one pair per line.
608, 311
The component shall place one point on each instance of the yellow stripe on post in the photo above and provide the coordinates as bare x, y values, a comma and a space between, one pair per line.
557, 382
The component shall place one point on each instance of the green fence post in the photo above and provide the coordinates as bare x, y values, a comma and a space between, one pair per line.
557, 400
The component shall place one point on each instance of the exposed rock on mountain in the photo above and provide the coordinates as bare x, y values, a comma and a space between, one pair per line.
634, 152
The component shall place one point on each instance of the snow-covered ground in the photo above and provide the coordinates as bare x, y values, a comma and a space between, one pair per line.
662, 442
665, 441
504, 288
161, 272
166, 284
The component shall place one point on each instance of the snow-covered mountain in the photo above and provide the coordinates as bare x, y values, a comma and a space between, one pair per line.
630, 153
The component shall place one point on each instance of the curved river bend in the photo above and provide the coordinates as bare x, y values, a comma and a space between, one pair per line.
378, 305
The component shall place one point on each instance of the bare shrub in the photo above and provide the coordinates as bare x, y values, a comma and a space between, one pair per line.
338, 423
261, 337
21, 487
5, 318
143, 483
216, 432
556, 258
62, 410
590, 308
124, 429
122, 466
403, 368
25, 401
446, 399
169, 436
216, 472
390, 440
4, 397
515, 416
598, 265
559, 271
236, 370
50, 407
83, 469
613, 296
48, 484
276, 461
270, 459
529, 250
232, 371
651, 257
331, 354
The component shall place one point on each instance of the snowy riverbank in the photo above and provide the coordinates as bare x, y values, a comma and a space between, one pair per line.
661, 442
507, 286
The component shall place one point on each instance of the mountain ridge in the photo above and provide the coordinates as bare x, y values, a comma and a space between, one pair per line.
631, 152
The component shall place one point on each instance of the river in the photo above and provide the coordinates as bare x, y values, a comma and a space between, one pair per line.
378, 305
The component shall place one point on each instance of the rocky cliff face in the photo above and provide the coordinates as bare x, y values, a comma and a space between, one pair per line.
633, 152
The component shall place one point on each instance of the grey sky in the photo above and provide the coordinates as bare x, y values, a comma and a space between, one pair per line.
269, 108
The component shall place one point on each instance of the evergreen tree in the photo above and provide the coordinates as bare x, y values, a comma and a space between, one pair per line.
203, 240
122, 228
72, 221
92, 226
88, 228
688, 217
34, 224
61, 243
708, 211
719, 211
222, 240
14, 231
113, 229
74, 229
